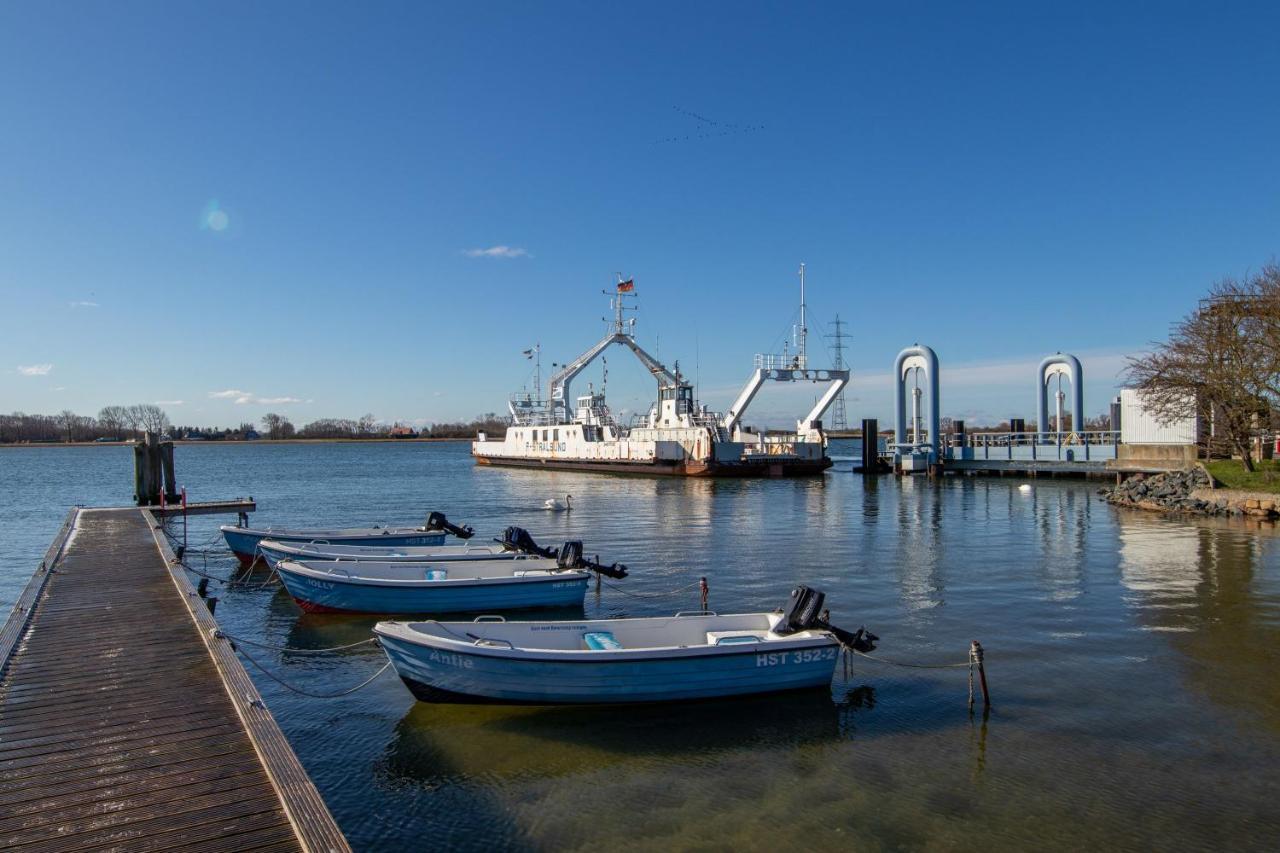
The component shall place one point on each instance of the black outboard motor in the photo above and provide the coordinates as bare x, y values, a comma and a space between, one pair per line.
437, 521
518, 539
803, 611
571, 558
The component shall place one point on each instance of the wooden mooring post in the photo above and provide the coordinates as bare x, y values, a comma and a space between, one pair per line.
153, 471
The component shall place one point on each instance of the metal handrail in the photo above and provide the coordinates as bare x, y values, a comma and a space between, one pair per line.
490, 618
683, 613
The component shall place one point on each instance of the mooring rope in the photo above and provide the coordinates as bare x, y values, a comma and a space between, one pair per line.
907, 665
667, 594
278, 680
223, 635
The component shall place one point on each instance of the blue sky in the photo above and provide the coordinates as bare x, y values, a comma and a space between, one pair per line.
284, 200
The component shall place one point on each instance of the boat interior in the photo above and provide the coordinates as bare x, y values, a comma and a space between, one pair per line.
405, 572
420, 552
680, 631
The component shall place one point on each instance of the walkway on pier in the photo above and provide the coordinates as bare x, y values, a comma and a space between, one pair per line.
123, 725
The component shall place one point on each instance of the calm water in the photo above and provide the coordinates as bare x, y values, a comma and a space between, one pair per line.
1133, 660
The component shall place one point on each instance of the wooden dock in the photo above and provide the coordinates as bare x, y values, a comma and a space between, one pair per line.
125, 724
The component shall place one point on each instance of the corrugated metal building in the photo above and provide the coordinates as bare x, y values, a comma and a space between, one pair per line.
1139, 426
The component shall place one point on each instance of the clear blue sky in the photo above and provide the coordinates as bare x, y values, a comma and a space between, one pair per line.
278, 199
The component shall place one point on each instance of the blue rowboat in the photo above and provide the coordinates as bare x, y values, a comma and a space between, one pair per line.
661, 659
343, 586
274, 551
244, 541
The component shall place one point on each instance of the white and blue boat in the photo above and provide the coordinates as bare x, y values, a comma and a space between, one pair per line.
273, 552
515, 542
459, 586
663, 659
244, 541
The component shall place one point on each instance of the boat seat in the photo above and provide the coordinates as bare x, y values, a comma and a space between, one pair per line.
727, 638
601, 641
436, 574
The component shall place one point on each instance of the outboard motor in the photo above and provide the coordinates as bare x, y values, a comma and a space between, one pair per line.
437, 521
571, 558
518, 539
803, 611
570, 555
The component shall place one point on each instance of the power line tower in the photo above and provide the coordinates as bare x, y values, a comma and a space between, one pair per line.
839, 421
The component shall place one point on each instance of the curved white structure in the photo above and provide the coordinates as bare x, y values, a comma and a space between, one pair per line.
917, 358
1059, 364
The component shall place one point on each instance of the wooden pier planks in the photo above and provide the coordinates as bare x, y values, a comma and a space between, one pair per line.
122, 725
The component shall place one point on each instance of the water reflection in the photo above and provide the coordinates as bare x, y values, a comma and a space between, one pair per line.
1202, 586
919, 545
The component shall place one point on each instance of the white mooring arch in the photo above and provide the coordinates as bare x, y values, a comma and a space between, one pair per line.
909, 359
1059, 364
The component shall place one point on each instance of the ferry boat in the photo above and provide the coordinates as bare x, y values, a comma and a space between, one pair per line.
678, 436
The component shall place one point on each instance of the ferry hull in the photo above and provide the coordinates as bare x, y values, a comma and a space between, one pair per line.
785, 468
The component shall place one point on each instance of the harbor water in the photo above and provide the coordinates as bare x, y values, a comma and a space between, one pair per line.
1134, 660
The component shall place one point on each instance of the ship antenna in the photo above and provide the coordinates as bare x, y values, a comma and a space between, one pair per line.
804, 331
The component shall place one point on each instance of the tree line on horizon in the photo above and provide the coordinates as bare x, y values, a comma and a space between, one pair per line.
121, 423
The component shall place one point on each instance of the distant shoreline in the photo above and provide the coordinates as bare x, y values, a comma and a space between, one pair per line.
184, 441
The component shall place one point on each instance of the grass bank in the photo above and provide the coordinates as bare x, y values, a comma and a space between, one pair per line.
1264, 478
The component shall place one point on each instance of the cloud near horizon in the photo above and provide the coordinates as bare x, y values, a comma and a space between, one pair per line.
169, 402
244, 398
35, 369
84, 304
498, 252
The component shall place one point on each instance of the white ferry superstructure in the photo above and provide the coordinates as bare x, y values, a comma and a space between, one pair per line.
678, 436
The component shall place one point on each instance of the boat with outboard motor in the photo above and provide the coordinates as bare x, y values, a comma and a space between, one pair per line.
515, 542
698, 655
520, 581
244, 541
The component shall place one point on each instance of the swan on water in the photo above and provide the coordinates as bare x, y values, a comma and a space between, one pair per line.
1025, 487
556, 506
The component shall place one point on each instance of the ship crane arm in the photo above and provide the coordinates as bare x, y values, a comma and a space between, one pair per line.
561, 380
665, 378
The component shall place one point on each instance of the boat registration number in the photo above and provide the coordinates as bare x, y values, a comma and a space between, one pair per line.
798, 656
450, 659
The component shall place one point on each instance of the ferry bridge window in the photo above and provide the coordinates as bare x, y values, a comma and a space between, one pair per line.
555, 435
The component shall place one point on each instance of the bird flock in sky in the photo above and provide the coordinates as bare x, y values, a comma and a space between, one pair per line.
708, 128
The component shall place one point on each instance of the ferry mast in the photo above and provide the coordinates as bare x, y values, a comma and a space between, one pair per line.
622, 332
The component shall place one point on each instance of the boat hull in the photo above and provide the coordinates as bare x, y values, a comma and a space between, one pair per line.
243, 542
439, 675
786, 468
316, 595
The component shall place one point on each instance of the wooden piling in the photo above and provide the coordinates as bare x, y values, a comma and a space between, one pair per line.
975, 660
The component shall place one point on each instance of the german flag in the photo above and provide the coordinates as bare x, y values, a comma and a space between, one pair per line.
627, 286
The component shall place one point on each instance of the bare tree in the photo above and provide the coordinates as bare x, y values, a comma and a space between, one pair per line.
277, 426
69, 421
1221, 362
113, 420
148, 417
